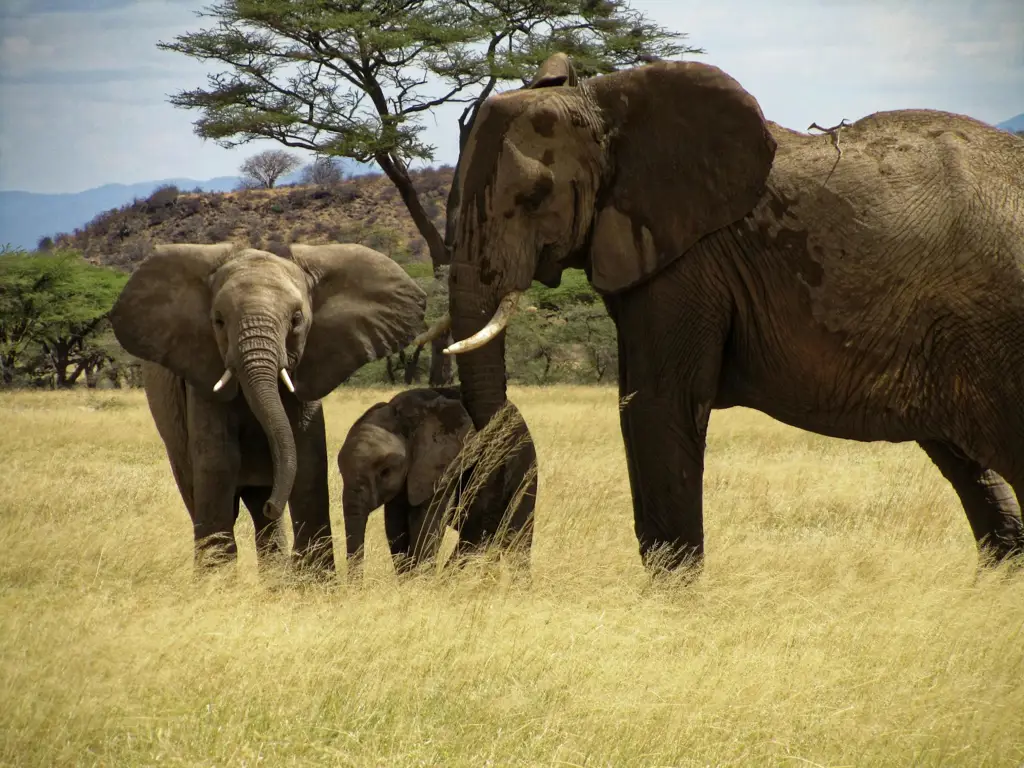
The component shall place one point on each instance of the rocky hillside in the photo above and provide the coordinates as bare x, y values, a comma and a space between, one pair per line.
363, 209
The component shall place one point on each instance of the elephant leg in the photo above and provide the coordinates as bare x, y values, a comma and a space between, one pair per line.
671, 336
988, 501
426, 530
396, 528
216, 461
310, 502
270, 538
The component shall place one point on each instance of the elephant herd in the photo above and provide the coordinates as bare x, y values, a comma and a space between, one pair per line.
866, 284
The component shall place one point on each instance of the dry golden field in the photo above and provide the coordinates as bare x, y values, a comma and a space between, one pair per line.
839, 621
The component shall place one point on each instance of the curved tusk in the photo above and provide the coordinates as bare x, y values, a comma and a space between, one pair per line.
496, 325
223, 380
287, 380
434, 331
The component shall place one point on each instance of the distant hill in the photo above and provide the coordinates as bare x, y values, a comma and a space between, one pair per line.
364, 209
1014, 124
25, 217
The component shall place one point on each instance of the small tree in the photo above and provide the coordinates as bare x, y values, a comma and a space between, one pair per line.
264, 169
54, 306
323, 172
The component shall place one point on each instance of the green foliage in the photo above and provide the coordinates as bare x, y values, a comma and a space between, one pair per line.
53, 307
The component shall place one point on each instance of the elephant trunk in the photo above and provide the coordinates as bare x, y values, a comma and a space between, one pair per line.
260, 368
482, 370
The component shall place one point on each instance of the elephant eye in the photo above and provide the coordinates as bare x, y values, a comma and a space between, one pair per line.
296, 318
218, 320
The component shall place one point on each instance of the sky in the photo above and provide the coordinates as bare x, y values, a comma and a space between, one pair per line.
83, 93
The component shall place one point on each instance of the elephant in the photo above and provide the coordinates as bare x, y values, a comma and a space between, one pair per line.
866, 284
410, 455
285, 328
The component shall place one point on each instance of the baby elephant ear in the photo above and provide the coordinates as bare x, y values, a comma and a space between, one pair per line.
438, 434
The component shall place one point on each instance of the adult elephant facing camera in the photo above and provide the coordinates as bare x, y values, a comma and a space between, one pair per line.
285, 328
876, 295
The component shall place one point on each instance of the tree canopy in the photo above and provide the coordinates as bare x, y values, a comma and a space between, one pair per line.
53, 306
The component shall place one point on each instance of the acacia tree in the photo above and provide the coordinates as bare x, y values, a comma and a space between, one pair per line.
265, 168
356, 78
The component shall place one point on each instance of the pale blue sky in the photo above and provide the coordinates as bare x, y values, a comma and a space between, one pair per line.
83, 94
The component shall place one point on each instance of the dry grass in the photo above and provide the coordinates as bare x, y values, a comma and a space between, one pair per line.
839, 621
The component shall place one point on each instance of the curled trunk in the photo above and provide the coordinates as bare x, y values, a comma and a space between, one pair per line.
259, 385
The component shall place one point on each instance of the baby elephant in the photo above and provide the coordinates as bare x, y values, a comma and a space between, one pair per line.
397, 454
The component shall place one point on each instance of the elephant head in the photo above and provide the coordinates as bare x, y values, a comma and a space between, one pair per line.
401, 447
619, 175
223, 317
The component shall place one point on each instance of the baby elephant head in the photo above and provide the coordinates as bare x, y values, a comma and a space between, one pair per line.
224, 317
398, 450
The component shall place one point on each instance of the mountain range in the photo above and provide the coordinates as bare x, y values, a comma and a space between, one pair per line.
26, 217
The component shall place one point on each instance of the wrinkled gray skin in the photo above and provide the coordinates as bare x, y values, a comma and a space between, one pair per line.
882, 302
320, 312
396, 453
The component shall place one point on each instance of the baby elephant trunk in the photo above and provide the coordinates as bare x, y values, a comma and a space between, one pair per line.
355, 512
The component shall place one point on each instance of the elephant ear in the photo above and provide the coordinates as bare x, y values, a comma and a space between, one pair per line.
364, 307
439, 427
689, 152
163, 312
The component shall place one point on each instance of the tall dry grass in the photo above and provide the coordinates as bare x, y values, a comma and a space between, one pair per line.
839, 621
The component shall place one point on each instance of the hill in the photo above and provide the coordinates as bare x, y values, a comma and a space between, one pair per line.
25, 217
1014, 124
365, 209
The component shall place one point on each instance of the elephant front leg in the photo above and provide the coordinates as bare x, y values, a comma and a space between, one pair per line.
671, 336
310, 504
988, 501
216, 461
397, 530
665, 442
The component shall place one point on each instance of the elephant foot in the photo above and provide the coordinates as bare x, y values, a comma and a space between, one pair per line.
213, 552
995, 551
667, 564
314, 565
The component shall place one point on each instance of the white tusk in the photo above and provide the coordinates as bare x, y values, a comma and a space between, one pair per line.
434, 331
287, 380
496, 325
223, 380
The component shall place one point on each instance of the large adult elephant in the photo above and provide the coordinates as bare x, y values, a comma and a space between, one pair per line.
867, 284
285, 328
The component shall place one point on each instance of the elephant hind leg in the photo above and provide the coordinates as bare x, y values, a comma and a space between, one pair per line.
270, 537
988, 501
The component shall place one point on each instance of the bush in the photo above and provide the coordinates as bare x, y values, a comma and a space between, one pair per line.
162, 197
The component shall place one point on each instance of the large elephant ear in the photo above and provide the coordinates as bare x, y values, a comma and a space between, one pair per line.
689, 152
163, 312
364, 306
438, 429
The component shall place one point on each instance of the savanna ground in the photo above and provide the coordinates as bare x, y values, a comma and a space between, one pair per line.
840, 620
